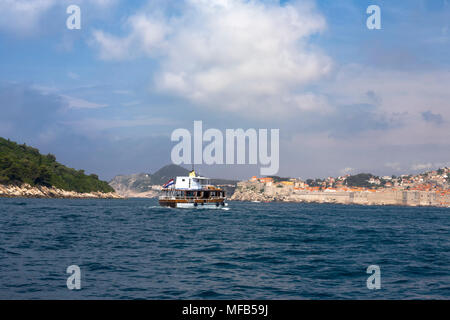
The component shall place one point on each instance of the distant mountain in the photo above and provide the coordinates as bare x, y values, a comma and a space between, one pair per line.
21, 164
148, 185
128, 185
168, 172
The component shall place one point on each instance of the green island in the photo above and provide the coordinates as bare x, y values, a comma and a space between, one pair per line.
21, 164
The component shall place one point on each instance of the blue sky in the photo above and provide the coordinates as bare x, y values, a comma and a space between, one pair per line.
346, 99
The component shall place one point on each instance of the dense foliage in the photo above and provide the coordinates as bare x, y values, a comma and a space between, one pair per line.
278, 179
359, 180
314, 183
23, 164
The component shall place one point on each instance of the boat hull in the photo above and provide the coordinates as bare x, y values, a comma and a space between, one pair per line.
192, 204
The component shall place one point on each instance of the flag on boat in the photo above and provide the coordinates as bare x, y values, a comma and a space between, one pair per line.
169, 183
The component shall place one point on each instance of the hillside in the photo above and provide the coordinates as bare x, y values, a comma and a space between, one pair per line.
21, 164
168, 172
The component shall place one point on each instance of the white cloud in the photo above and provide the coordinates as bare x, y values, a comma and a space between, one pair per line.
111, 48
246, 56
429, 166
123, 92
103, 3
77, 103
347, 170
70, 101
22, 16
131, 103
394, 165
422, 166
95, 124
146, 37
309, 102
73, 75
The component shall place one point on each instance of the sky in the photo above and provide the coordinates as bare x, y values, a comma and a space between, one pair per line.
346, 99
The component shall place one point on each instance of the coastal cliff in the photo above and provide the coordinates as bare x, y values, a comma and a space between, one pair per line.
27, 191
138, 185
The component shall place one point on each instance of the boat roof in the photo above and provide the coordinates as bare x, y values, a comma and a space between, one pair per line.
200, 178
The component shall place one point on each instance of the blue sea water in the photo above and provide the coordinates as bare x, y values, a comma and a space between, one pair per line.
133, 249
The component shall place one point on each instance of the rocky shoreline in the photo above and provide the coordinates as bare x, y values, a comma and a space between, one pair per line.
151, 194
27, 191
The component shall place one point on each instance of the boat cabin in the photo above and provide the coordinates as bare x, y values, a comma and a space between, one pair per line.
191, 183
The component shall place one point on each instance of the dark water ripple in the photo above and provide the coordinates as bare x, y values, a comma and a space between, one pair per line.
130, 249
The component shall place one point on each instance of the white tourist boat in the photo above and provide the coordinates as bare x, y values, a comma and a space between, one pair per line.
192, 192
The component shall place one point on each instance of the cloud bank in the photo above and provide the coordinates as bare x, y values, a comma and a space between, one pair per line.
255, 58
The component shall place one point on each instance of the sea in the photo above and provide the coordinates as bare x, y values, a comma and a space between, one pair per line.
134, 249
